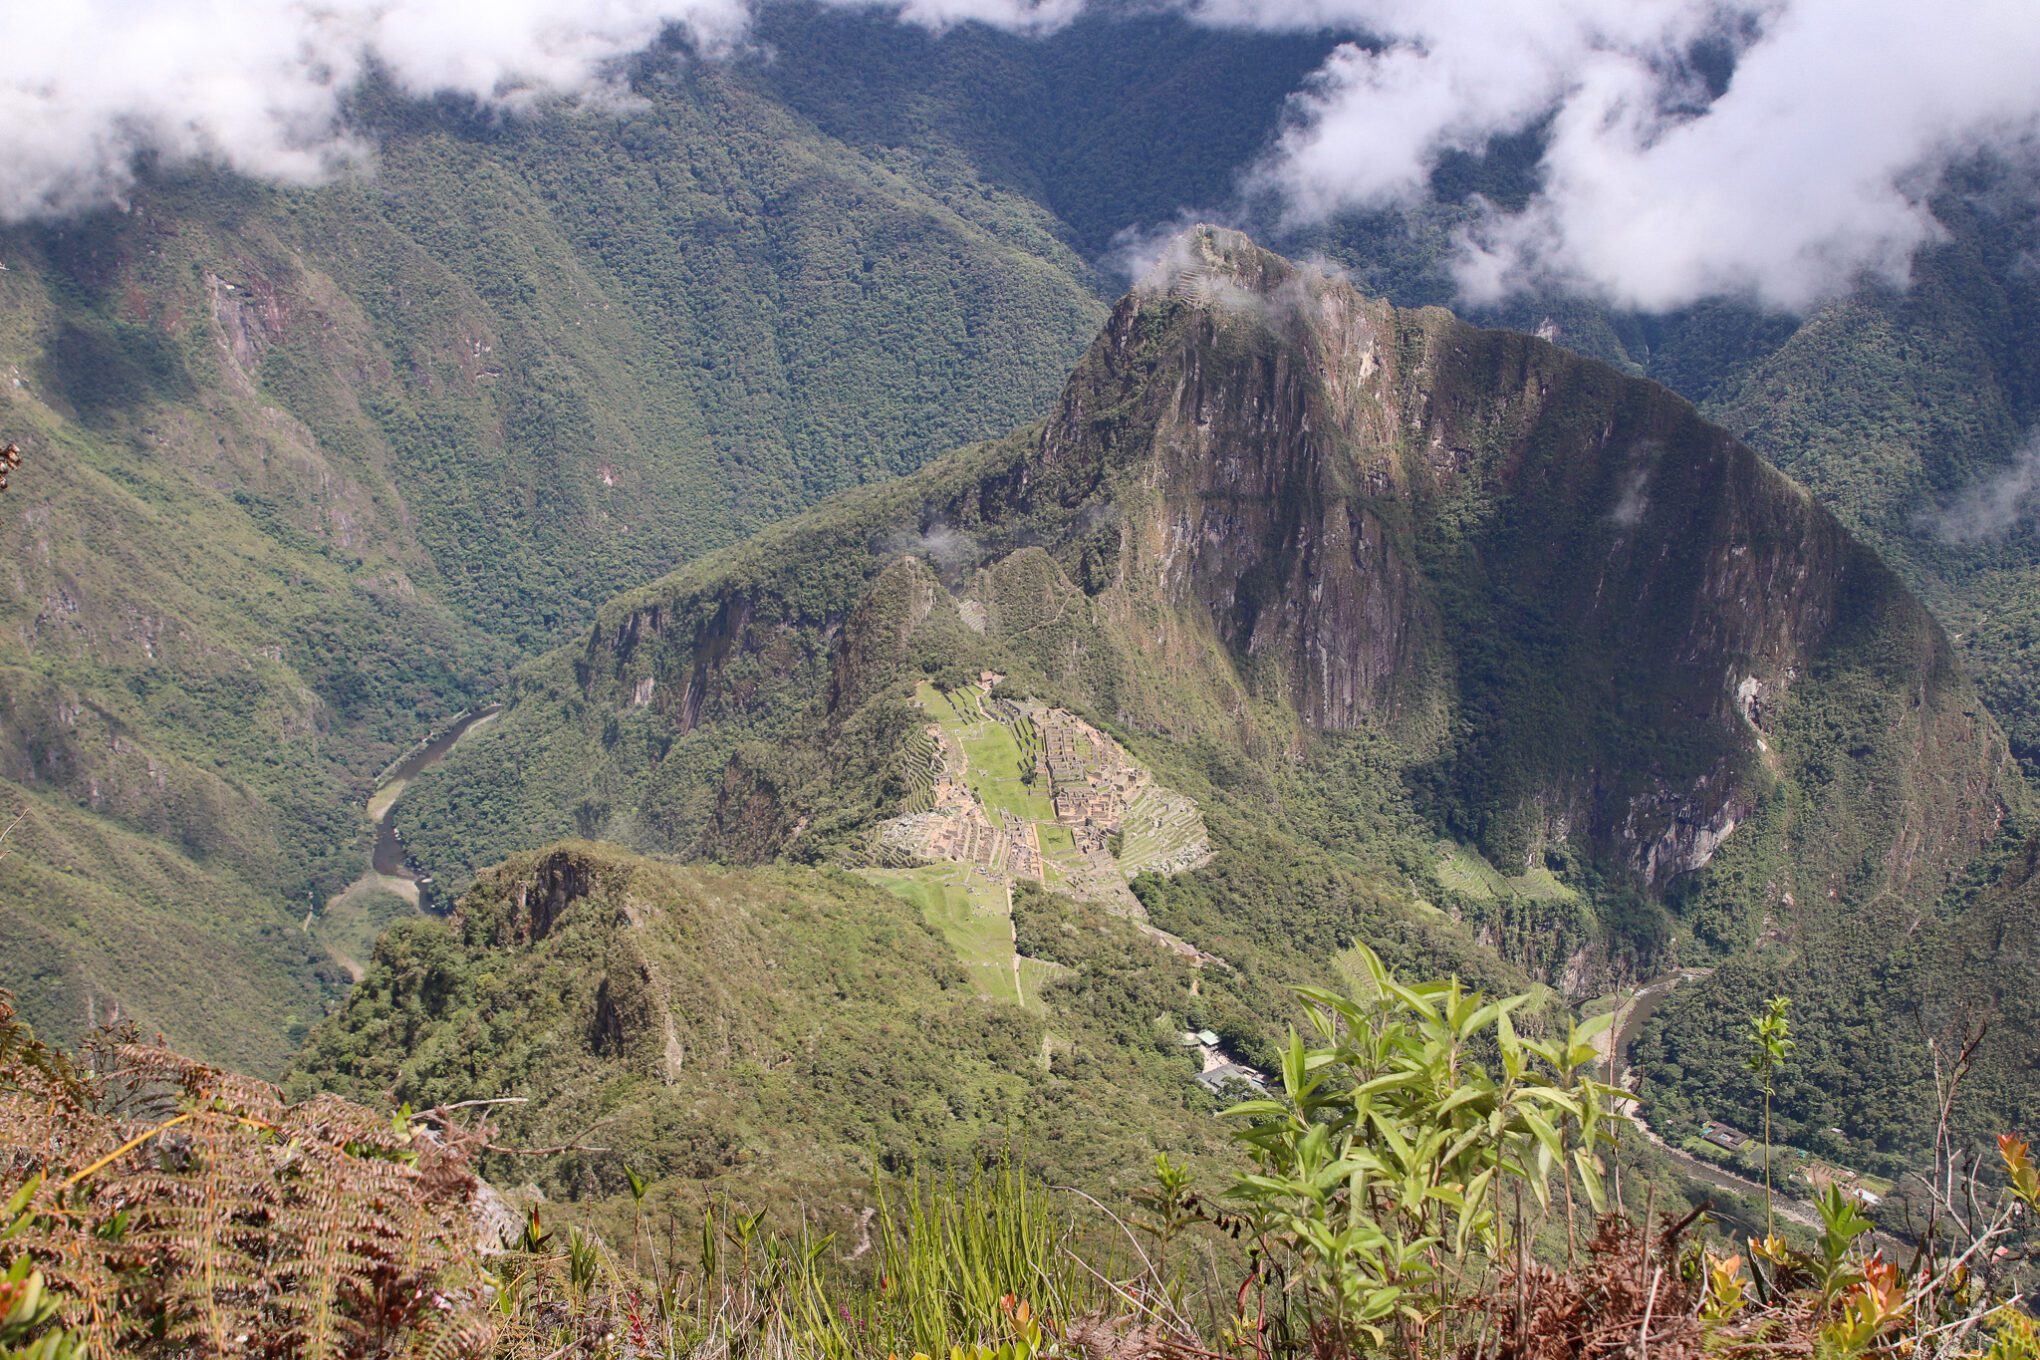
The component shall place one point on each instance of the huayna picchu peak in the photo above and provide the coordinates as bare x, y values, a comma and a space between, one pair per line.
1267, 508
1367, 588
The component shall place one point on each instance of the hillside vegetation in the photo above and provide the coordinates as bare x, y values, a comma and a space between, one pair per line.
1426, 1175
310, 468
1349, 578
671, 1016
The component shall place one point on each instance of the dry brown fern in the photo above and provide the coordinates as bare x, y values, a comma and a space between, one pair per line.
178, 1209
1628, 1298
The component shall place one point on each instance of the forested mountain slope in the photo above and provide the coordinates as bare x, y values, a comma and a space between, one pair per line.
1913, 414
1352, 578
311, 470
677, 1016
308, 469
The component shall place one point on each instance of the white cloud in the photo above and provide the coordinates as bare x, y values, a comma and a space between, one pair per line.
1024, 16
1138, 251
1993, 507
1810, 170
257, 85
1441, 77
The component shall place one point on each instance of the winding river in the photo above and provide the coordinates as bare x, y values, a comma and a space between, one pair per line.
347, 925
388, 858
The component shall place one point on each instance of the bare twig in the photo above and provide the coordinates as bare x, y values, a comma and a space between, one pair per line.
1147, 1265
553, 1151
439, 1112
10, 831
1649, 1306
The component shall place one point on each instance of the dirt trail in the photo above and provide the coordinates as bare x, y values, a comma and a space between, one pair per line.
1014, 930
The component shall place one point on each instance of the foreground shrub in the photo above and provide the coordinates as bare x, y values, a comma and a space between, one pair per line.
1427, 1184
159, 1206
1392, 1173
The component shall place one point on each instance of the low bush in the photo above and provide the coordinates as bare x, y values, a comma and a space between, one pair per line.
1425, 1183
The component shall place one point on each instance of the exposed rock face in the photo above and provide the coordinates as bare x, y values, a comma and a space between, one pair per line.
1559, 578
1267, 507
1262, 462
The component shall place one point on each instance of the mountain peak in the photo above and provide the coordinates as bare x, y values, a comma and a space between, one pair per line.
1211, 264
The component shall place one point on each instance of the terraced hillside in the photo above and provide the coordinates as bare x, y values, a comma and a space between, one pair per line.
1004, 791
1021, 790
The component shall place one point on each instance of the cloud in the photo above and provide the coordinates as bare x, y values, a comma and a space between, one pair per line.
941, 545
258, 85
1811, 169
1992, 508
1434, 78
1221, 267
1021, 16
1146, 249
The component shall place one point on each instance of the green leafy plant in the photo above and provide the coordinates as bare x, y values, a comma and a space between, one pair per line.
29, 1329
1168, 1208
1841, 1225
1391, 1173
1770, 1045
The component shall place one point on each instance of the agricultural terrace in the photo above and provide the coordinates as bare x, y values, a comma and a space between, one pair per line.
998, 792
974, 913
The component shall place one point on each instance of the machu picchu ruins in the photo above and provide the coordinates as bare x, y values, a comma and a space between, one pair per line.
1019, 790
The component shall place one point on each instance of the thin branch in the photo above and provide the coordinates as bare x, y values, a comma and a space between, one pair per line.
1147, 1265
543, 1151
1649, 1306
438, 1113
146, 1134
10, 831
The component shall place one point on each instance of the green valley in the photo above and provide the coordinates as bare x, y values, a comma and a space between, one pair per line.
1019, 680
428, 418
311, 468
1338, 641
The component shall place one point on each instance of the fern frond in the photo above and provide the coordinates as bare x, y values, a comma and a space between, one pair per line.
179, 1209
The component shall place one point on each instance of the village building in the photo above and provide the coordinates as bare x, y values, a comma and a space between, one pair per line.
1219, 1078
1724, 1137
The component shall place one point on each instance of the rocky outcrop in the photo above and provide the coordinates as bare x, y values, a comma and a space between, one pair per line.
539, 897
583, 895
1267, 508
1560, 580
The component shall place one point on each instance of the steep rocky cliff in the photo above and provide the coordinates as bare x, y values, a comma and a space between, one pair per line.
1363, 582
1586, 607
